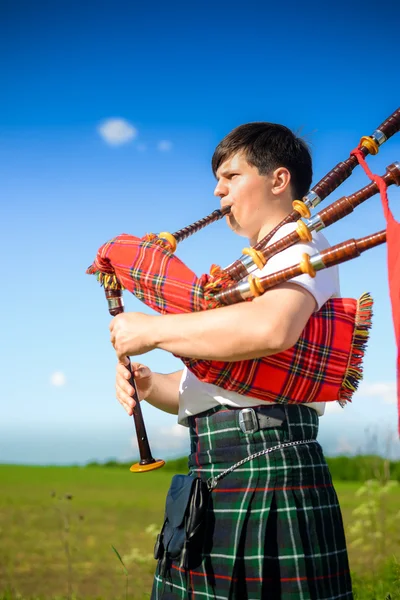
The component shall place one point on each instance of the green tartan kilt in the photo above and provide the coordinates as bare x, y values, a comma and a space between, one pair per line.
274, 528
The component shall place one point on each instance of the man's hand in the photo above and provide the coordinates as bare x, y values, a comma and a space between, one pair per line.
132, 334
269, 324
125, 392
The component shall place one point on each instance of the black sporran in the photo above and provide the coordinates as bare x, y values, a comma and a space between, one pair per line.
182, 535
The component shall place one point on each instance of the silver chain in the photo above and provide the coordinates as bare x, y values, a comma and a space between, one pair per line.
212, 481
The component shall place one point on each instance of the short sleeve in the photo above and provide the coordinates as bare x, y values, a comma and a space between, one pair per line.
324, 285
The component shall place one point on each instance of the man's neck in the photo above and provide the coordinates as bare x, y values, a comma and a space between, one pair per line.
267, 227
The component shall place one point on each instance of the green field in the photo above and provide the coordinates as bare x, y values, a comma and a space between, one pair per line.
58, 525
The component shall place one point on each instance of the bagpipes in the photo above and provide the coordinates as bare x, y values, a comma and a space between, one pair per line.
325, 363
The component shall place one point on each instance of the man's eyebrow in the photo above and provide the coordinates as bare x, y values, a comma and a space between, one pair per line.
225, 172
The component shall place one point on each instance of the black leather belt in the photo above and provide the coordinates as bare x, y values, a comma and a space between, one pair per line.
261, 417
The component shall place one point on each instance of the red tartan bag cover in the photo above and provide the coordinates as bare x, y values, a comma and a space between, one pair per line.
324, 365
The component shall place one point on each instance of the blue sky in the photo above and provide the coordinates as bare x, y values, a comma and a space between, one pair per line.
180, 76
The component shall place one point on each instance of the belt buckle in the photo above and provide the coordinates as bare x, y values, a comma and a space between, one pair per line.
248, 421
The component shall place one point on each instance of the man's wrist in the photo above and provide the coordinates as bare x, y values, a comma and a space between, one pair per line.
157, 331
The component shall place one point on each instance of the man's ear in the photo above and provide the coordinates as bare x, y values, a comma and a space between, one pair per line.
280, 180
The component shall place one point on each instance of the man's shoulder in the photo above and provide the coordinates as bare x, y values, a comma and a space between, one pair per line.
319, 240
326, 284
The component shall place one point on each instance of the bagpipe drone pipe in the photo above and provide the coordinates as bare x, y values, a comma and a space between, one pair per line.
325, 364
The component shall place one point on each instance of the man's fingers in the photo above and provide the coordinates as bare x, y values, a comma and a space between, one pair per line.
125, 393
123, 371
124, 385
139, 370
125, 400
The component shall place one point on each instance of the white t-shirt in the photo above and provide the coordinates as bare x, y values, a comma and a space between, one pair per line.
195, 396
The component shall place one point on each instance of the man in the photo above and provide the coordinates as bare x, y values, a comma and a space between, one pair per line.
274, 524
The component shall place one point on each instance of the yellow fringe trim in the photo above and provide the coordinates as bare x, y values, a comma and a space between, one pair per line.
108, 280
354, 374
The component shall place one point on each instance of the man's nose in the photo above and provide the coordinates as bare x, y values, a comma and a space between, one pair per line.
220, 190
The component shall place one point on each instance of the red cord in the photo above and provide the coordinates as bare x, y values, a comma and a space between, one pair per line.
382, 186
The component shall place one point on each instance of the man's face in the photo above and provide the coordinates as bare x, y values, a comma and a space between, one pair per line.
241, 187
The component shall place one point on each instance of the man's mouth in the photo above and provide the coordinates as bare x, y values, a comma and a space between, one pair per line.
226, 210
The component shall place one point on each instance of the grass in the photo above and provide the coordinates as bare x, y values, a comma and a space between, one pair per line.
107, 507
58, 526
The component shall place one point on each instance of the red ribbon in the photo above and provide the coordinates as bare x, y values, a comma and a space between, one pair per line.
393, 259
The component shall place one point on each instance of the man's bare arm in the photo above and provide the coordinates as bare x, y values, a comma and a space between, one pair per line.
165, 392
269, 324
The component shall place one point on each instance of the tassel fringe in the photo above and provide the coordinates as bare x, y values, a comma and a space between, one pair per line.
107, 280
354, 372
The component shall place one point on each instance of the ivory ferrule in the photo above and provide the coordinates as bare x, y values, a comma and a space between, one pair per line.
311, 200
244, 290
247, 262
315, 223
251, 268
115, 302
317, 262
379, 137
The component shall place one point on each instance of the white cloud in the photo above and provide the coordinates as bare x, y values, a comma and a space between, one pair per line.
164, 146
58, 379
117, 131
385, 391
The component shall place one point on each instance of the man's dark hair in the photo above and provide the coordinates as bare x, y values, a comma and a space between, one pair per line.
268, 146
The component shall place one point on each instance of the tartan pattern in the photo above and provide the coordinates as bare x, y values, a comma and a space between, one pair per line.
314, 370
152, 273
273, 527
